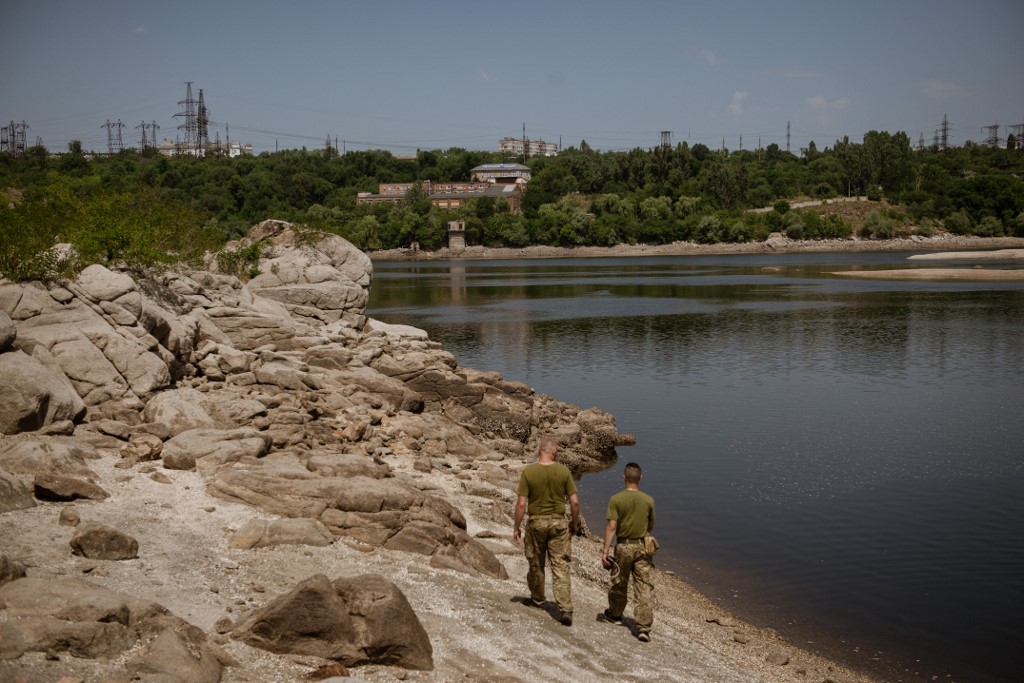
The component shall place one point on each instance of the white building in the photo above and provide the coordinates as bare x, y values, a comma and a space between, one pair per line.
534, 148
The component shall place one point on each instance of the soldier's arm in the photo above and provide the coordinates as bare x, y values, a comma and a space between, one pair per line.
520, 512
574, 510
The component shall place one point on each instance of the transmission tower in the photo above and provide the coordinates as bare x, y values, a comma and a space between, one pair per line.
1017, 131
992, 138
202, 125
944, 133
920, 141
13, 139
190, 126
787, 136
741, 142
666, 138
119, 141
143, 141
110, 136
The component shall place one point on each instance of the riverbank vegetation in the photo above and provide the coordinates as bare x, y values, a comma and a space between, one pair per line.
146, 208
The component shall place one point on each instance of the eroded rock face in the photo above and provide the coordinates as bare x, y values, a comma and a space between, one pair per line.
360, 620
279, 391
32, 396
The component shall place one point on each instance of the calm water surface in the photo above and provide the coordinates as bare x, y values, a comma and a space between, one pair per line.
842, 460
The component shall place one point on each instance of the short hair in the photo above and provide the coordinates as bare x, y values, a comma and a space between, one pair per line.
632, 472
548, 444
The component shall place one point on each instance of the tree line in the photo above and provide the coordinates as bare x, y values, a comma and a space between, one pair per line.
146, 207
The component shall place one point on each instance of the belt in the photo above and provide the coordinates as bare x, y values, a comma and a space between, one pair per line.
631, 540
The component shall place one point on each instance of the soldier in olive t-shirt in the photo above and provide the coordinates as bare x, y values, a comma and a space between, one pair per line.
543, 489
630, 517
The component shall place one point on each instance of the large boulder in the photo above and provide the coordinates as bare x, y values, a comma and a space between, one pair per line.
179, 409
10, 570
91, 622
8, 333
321, 281
360, 620
33, 455
179, 653
59, 487
378, 511
32, 396
101, 542
14, 494
103, 359
214, 447
261, 533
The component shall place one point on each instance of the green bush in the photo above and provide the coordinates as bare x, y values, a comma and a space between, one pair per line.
879, 227
990, 226
242, 262
132, 229
959, 223
709, 230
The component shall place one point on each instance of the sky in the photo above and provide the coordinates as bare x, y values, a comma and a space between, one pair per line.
405, 75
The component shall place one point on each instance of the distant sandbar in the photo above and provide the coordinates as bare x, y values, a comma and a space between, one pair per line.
975, 274
998, 254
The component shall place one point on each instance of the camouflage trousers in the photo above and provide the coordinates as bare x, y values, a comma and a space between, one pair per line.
548, 538
633, 562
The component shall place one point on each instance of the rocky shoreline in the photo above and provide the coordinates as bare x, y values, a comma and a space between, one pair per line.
210, 479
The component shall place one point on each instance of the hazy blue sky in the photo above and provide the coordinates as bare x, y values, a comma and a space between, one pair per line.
403, 75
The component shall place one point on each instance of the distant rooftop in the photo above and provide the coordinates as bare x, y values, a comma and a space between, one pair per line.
499, 167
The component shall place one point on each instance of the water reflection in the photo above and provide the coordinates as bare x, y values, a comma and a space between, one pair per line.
835, 456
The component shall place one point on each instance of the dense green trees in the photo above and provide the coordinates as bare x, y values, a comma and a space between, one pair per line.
580, 197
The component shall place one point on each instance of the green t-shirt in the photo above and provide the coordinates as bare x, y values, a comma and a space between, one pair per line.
547, 487
633, 512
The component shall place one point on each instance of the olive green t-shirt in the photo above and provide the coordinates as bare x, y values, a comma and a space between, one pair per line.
633, 512
547, 487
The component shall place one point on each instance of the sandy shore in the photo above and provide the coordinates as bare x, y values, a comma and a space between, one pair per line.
776, 244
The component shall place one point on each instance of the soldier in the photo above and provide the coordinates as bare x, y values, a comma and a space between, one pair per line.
543, 489
630, 518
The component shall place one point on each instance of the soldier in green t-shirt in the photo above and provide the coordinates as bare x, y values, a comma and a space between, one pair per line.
630, 518
543, 489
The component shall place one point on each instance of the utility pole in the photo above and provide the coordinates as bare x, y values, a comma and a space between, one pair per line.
524, 143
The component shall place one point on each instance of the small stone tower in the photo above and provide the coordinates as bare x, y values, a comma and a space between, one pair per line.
457, 236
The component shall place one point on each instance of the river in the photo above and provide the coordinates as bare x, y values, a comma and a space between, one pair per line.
839, 459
